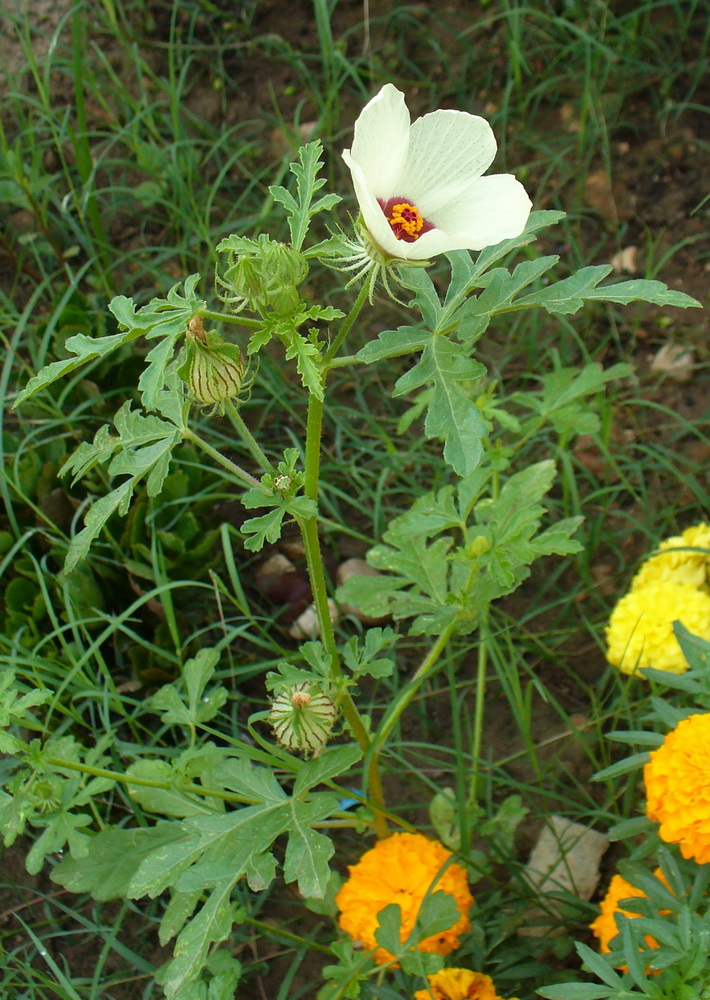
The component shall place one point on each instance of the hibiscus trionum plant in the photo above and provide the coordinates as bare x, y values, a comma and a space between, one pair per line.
223, 817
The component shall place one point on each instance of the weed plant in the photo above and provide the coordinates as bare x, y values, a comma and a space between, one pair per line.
134, 137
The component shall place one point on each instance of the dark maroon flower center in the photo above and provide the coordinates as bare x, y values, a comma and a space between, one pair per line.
405, 219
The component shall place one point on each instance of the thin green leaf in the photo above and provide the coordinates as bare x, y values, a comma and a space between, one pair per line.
622, 767
576, 991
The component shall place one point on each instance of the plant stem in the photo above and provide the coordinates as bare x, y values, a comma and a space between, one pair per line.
478, 712
347, 361
254, 324
285, 935
249, 439
127, 779
316, 572
346, 327
236, 471
391, 717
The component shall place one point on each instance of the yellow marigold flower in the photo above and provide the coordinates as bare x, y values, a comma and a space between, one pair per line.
640, 630
677, 781
459, 984
604, 927
675, 564
402, 869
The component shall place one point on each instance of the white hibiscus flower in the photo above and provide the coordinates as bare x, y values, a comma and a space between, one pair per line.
419, 186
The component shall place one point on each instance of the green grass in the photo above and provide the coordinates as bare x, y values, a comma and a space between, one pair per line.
115, 181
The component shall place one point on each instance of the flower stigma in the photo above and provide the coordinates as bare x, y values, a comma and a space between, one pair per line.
405, 219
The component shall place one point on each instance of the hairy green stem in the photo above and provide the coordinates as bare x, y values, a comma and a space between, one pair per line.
347, 361
346, 327
253, 324
126, 779
316, 572
392, 716
249, 439
426, 667
218, 457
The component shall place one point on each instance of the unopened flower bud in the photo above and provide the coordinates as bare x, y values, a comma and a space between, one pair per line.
302, 718
213, 369
246, 281
478, 546
285, 265
265, 276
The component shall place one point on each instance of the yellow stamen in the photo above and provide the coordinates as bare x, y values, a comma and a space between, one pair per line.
408, 217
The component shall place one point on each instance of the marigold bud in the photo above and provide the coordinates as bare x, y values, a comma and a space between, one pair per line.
302, 718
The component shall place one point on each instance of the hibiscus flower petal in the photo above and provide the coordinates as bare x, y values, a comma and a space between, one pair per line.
447, 150
381, 141
490, 210
372, 214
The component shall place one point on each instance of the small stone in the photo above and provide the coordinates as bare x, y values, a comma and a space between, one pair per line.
307, 625
625, 260
598, 193
674, 360
569, 117
275, 564
565, 859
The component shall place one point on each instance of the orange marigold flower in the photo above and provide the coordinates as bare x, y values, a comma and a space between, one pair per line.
402, 869
677, 781
640, 631
604, 927
675, 563
459, 984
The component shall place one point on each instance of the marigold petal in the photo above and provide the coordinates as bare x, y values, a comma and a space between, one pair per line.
605, 927
459, 984
677, 780
676, 561
402, 869
640, 631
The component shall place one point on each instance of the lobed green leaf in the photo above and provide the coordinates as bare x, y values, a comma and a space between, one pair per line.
451, 414
302, 208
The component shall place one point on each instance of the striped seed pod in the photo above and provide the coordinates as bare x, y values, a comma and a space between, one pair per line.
213, 370
302, 718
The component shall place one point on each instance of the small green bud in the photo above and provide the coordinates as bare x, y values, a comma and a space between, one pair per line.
246, 281
264, 276
282, 484
213, 369
478, 546
302, 718
284, 265
46, 793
